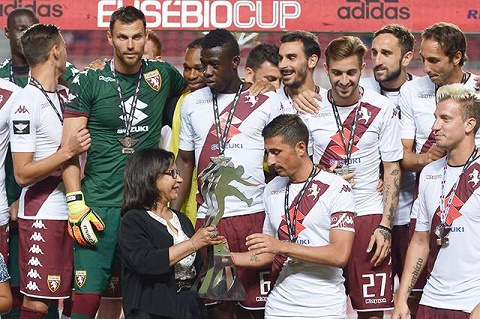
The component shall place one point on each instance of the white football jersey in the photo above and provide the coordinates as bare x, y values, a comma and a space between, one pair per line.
376, 139
245, 146
454, 278
312, 290
36, 128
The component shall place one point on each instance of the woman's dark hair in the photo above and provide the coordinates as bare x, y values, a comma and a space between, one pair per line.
140, 180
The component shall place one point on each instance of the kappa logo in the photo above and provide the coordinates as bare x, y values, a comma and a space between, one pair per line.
80, 277
138, 116
154, 79
314, 191
38, 224
346, 189
33, 273
474, 177
342, 220
53, 282
36, 236
35, 249
32, 286
21, 127
22, 109
113, 284
34, 262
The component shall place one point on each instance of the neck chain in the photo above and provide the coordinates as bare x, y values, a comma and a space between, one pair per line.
347, 145
37, 84
223, 138
292, 224
127, 116
445, 209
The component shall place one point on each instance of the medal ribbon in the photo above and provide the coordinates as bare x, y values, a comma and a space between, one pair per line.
127, 117
37, 84
347, 147
292, 224
222, 138
445, 209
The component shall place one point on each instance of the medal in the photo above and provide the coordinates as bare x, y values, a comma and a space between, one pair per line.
345, 170
442, 232
128, 143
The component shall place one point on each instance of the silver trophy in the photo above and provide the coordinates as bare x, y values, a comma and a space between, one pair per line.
221, 281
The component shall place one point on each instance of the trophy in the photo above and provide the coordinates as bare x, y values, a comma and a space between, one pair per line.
221, 281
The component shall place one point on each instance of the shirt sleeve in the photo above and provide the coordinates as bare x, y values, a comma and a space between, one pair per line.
390, 144
23, 124
342, 210
80, 97
423, 219
187, 142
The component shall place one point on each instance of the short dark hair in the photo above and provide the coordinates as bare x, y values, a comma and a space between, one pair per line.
196, 44
157, 43
310, 42
222, 38
450, 38
406, 40
290, 127
21, 11
127, 15
344, 47
143, 169
264, 52
37, 41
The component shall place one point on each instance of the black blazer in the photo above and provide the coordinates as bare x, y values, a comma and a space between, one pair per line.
148, 282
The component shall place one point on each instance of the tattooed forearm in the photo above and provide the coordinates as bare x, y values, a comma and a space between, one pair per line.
254, 257
391, 191
415, 274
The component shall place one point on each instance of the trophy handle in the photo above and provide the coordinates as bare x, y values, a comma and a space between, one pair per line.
221, 281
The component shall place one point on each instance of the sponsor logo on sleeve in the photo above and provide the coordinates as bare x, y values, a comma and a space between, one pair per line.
21, 127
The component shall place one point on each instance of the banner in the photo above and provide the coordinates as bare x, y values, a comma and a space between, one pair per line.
257, 15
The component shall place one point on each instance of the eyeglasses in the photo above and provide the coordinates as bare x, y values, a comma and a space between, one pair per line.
173, 172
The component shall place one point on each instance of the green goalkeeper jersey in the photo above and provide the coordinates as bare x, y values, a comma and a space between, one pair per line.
94, 94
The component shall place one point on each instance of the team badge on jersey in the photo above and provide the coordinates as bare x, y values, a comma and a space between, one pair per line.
21, 127
154, 79
113, 284
53, 282
80, 277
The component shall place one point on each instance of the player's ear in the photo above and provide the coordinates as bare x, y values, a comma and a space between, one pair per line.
236, 62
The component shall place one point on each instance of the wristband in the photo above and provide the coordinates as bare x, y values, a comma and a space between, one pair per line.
384, 228
74, 196
194, 248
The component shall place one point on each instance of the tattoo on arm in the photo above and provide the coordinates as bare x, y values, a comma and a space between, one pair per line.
415, 274
386, 235
392, 192
254, 257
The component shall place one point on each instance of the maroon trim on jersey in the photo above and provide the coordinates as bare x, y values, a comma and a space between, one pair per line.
4, 96
243, 109
335, 150
428, 143
38, 193
312, 195
70, 113
467, 185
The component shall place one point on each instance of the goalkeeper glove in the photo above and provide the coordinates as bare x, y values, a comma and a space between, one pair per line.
79, 218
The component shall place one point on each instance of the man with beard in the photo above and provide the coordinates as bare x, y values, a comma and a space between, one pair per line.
392, 52
299, 54
443, 51
122, 106
359, 129
224, 120
262, 63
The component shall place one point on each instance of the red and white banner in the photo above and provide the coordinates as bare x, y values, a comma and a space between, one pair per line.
257, 15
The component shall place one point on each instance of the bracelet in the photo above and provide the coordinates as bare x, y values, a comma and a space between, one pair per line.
384, 228
194, 248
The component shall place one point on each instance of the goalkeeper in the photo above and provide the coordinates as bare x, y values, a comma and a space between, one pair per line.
122, 107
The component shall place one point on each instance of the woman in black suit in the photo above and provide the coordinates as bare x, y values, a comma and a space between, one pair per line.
158, 246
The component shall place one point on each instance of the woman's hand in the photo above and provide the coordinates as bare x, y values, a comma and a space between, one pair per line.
207, 236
